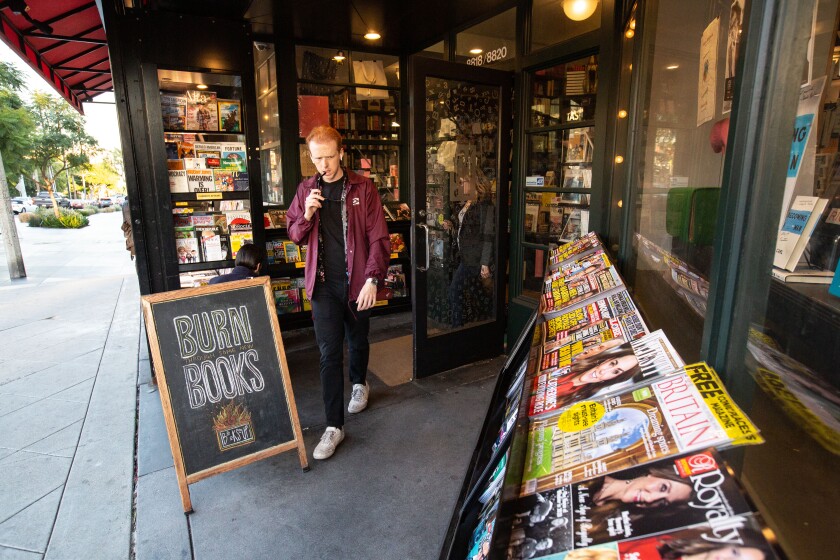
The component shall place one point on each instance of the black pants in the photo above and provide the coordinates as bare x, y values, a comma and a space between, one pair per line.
335, 318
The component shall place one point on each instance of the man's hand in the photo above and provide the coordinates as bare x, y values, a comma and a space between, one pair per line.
367, 297
312, 203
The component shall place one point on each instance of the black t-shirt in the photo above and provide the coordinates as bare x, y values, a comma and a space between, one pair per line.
332, 232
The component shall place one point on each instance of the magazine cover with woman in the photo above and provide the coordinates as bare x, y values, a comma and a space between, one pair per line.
644, 500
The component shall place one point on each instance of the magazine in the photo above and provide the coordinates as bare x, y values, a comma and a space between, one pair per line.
618, 305
607, 367
202, 110
558, 294
664, 495
576, 247
667, 416
174, 110
589, 261
705, 541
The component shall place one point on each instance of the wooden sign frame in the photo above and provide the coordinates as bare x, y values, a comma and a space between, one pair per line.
184, 479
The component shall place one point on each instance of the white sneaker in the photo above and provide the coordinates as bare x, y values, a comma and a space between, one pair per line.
358, 398
329, 441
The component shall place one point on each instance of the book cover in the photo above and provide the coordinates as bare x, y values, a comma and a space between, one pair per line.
194, 163
200, 180
292, 252
185, 150
645, 500
563, 252
279, 251
238, 239
210, 242
834, 288
171, 150
589, 261
397, 242
607, 367
174, 110
802, 217
187, 249
234, 157
238, 220
658, 419
618, 305
208, 150
743, 540
223, 180
286, 300
803, 275
313, 110
178, 181
305, 303
230, 115
241, 181
277, 218
563, 292
202, 110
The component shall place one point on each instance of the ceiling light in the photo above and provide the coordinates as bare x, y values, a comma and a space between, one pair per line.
629, 33
476, 51
619, 159
339, 56
579, 10
372, 36
395, 124
622, 114
672, 67
201, 86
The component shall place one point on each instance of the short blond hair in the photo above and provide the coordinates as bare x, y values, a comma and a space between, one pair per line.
323, 134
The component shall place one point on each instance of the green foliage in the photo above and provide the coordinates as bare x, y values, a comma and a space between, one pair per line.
69, 219
88, 210
31, 218
109, 209
16, 125
59, 142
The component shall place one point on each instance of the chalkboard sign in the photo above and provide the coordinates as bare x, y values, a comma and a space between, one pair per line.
224, 384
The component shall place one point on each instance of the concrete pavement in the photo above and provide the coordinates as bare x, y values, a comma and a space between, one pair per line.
69, 339
75, 392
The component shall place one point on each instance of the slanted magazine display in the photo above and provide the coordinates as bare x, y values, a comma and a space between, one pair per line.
207, 165
606, 439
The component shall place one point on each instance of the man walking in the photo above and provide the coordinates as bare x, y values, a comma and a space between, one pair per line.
338, 215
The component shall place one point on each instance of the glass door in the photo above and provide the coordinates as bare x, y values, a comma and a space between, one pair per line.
461, 168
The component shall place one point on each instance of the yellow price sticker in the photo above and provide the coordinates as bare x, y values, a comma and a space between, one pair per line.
300, 264
581, 416
208, 196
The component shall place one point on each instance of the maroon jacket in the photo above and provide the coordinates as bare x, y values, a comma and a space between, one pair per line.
366, 234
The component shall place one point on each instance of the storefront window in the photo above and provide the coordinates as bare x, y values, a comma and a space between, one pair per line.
560, 141
552, 23
677, 162
490, 43
269, 121
793, 340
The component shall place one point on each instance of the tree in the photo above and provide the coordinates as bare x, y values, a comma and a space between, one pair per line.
59, 143
16, 124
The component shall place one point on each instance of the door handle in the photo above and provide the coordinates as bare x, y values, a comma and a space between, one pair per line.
425, 268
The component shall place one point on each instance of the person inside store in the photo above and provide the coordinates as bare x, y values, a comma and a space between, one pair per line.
338, 214
249, 260
474, 233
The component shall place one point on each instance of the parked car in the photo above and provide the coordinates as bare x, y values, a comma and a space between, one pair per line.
22, 204
43, 199
119, 199
78, 203
104, 202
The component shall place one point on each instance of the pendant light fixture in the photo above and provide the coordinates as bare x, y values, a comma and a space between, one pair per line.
579, 10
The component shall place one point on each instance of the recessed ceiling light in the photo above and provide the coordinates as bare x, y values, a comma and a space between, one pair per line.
372, 36
201, 86
672, 67
476, 51
622, 114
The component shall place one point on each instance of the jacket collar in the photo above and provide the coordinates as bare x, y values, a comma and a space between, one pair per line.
353, 178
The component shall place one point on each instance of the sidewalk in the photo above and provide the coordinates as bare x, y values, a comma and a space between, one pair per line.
69, 336
75, 384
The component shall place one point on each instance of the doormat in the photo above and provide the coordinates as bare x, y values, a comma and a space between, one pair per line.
392, 360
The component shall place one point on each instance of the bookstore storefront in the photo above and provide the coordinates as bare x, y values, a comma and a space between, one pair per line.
663, 127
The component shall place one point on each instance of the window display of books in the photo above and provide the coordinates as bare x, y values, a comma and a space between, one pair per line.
207, 164
613, 434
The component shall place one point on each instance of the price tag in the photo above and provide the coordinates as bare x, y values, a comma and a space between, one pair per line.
300, 264
381, 303
208, 196
395, 255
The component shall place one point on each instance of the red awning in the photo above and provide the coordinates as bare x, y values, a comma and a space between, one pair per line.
64, 41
